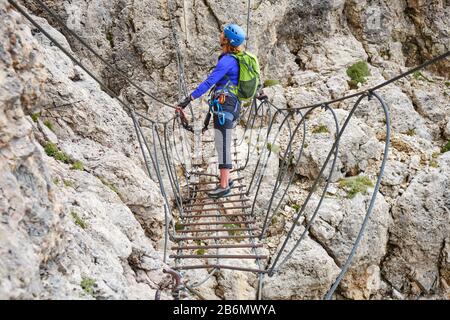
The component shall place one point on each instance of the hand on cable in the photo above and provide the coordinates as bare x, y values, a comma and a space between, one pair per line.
262, 96
183, 104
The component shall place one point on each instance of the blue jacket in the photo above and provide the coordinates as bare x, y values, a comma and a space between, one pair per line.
226, 69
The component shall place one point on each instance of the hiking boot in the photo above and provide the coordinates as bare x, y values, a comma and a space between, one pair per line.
219, 192
230, 182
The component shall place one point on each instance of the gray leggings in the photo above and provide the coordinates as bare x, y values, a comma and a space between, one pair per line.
222, 138
223, 133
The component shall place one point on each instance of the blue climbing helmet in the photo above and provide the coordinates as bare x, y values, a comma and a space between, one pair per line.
234, 34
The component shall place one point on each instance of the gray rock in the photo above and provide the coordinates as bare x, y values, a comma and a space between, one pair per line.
357, 149
395, 173
431, 103
66, 235
414, 266
337, 225
307, 275
447, 130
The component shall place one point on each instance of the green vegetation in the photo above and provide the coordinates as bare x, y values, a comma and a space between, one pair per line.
56, 181
271, 82
446, 147
434, 164
411, 132
273, 221
419, 76
78, 221
232, 226
273, 147
447, 84
358, 73
87, 284
110, 185
200, 252
48, 124
110, 38
320, 129
68, 183
52, 151
178, 226
355, 185
77, 165
247, 104
295, 206
35, 116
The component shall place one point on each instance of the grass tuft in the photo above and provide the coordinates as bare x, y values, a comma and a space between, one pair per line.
52, 151
445, 147
110, 39
355, 185
420, 76
320, 129
77, 165
232, 226
78, 221
200, 252
87, 284
110, 185
35, 116
271, 82
68, 183
178, 226
48, 124
358, 73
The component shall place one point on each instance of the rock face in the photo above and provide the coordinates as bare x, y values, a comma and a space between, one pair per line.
96, 232
418, 260
358, 147
67, 233
307, 275
337, 226
30, 211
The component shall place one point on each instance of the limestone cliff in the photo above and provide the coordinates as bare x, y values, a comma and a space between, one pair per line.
80, 218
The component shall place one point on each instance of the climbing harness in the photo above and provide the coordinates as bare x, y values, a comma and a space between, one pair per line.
216, 102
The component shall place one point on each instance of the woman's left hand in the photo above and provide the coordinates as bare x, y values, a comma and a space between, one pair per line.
183, 104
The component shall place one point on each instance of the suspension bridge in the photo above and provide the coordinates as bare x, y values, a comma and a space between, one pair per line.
215, 234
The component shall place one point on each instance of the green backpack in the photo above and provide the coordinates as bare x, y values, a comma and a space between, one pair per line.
249, 76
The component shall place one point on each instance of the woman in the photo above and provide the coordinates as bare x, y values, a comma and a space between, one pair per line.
224, 78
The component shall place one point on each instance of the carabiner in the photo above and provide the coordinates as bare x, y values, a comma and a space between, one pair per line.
221, 116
